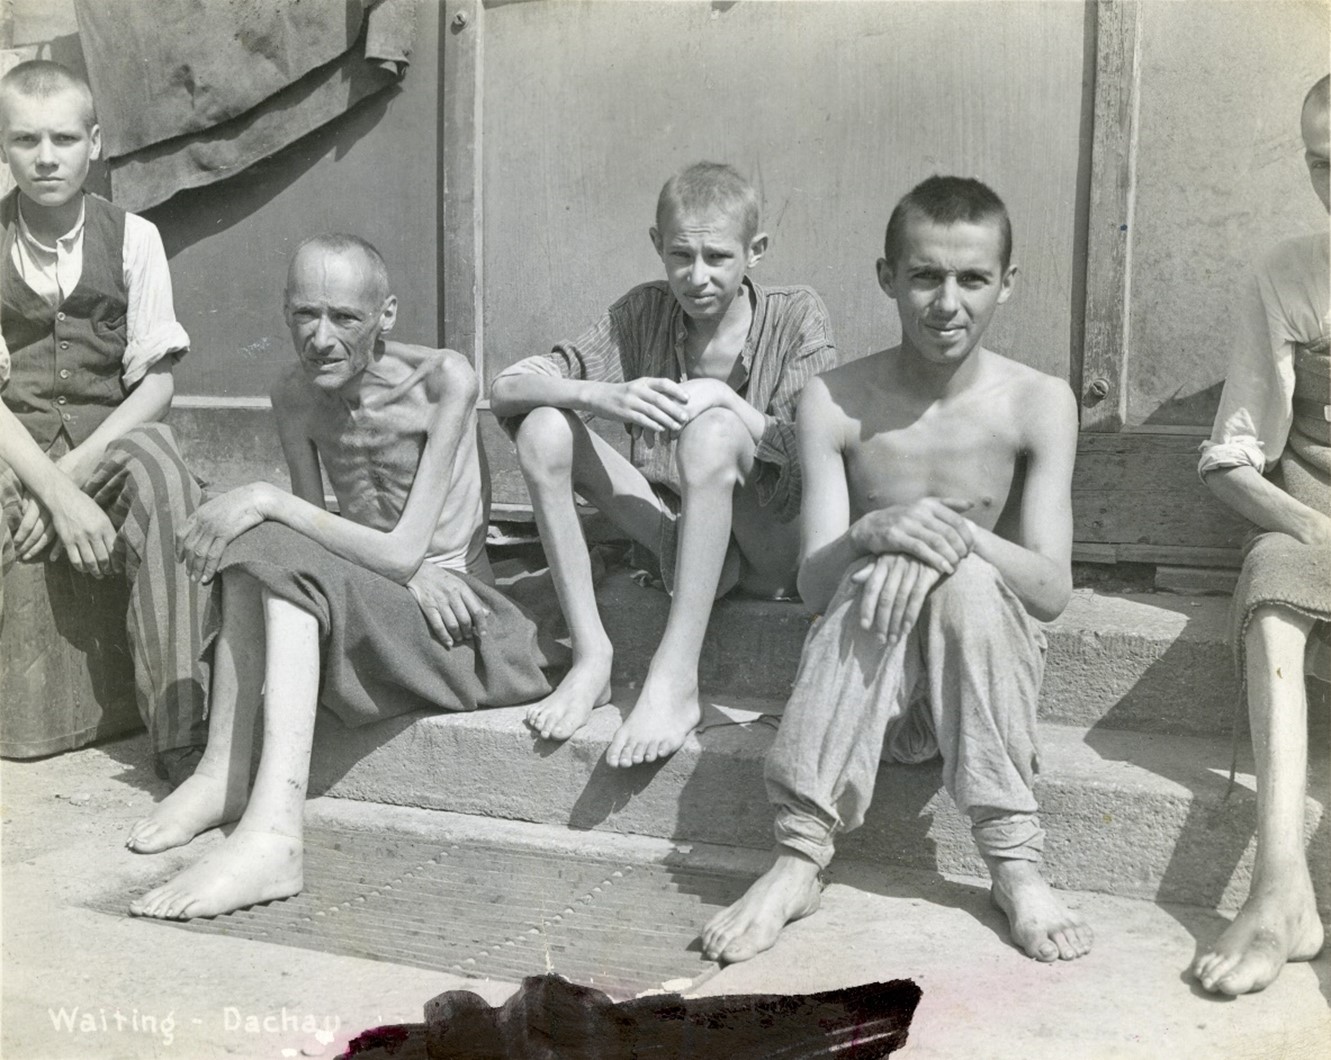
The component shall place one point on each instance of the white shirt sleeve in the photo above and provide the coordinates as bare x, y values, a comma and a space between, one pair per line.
1256, 405
152, 329
1280, 307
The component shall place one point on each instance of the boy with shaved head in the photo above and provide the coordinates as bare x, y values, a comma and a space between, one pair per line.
1269, 458
89, 340
937, 534
704, 370
385, 608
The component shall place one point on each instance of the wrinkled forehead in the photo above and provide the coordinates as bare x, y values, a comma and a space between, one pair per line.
321, 275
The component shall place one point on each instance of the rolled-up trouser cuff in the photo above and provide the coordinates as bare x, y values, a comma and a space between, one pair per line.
805, 835
1015, 837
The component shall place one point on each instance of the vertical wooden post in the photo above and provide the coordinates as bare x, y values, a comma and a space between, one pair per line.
1103, 386
460, 183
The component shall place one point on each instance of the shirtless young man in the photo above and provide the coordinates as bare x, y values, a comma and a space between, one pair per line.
704, 369
937, 533
385, 609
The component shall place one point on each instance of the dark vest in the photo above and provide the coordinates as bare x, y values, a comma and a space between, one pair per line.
66, 360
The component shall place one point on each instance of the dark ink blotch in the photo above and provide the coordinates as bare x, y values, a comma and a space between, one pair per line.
550, 1018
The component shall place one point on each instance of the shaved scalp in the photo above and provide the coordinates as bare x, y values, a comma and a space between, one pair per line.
343, 243
1319, 94
41, 79
948, 201
710, 186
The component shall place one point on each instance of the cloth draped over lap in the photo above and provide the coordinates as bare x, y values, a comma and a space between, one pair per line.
189, 93
1277, 568
379, 658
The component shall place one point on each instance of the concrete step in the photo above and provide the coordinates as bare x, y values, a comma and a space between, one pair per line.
1142, 815
1151, 662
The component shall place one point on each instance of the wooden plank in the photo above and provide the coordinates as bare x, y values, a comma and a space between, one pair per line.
1103, 384
1196, 581
1137, 489
1181, 555
460, 200
1085, 553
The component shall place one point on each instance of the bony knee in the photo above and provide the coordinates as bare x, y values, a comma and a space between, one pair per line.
974, 571
711, 445
972, 578
544, 438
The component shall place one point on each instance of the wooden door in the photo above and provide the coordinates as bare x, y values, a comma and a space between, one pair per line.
563, 119
1147, 152
1197, 171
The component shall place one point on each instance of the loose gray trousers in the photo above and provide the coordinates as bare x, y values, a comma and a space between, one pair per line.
964, 683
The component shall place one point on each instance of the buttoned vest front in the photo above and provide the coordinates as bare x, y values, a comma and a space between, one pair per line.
66, 360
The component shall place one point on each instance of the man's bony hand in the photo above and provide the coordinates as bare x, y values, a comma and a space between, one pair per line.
35, 529
647, 404
707, 393
85, 534
452, 609
893, 588
201, 542
932, 529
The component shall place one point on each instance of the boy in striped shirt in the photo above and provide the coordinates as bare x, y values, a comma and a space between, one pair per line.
704, 369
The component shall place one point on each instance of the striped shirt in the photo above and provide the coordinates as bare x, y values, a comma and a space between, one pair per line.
644, 335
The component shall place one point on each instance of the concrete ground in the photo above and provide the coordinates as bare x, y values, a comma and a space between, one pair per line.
79, 983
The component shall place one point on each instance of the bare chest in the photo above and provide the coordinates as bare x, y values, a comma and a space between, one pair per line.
939, 457
371, 457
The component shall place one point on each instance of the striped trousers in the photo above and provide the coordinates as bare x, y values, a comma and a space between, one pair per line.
148, 493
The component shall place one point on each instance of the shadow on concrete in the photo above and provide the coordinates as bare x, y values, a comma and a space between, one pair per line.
609, 791
1219, 822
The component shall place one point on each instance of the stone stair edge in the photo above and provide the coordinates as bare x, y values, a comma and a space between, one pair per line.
1094, 755
1150, 616
1134, 814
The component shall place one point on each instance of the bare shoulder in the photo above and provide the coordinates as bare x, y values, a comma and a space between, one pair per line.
1044, 403
833, 401
442, 373
849, 381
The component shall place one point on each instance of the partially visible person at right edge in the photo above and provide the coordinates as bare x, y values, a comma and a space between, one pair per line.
1269, 458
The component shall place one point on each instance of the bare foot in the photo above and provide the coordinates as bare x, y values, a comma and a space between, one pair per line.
199, 803
250, 867
566, 710
1275, 925
787, 891
1041, 925
660, 722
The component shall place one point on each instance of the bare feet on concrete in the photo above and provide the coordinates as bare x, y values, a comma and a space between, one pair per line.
250, 867
201, 802
663, 717
565, 710
1278, 923
787, 891
1042, 926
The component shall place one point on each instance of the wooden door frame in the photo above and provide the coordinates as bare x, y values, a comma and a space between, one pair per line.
461, 204
1136, 495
